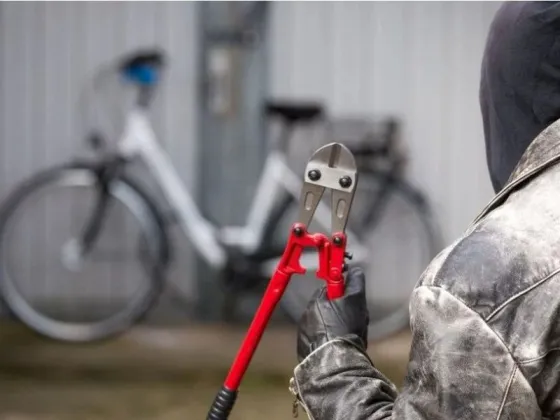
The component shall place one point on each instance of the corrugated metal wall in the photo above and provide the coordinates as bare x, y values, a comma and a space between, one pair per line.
231, 134
416, 60
419, 61
49, 52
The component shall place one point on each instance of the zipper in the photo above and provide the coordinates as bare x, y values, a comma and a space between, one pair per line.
297, 401
295, 405
295, 408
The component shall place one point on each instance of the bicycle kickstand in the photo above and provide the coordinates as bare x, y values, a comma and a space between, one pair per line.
331, 167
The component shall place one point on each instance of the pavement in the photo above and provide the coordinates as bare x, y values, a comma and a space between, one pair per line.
155, 373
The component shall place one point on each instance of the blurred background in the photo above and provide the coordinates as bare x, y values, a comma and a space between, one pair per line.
118, 331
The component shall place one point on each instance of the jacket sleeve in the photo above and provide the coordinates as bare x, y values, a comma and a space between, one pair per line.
458, 370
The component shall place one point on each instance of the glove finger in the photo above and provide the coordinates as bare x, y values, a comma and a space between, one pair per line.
311, 329
355, 282
319, 295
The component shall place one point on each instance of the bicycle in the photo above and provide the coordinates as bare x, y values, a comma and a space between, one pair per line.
245, 256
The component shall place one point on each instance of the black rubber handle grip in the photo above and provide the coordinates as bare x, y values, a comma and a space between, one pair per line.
222, 405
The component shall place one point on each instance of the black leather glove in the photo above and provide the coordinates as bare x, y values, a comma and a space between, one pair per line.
325, 319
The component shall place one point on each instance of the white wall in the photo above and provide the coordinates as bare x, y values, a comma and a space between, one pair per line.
416, 60
50, 50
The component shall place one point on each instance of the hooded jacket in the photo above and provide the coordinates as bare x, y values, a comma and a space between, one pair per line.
485, 314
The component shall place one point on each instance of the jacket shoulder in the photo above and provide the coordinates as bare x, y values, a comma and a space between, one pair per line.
506, 269
510, 252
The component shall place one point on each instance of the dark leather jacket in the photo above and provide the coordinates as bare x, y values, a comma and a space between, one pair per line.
485, 319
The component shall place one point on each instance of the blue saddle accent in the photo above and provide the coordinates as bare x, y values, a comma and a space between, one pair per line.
143, 74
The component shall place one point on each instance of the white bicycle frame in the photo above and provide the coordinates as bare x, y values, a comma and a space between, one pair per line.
139, 140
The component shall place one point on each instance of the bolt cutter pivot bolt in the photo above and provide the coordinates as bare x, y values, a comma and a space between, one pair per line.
314, 175
345, 182
298, 231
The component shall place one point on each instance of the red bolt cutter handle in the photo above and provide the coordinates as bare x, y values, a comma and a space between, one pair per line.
331, 265
333, 167
331, 261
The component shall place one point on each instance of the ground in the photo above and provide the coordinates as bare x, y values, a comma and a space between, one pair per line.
154, 374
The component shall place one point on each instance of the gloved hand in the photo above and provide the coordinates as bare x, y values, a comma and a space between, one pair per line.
325, 319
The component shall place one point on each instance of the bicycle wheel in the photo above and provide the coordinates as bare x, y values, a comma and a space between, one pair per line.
49, 285
394, 222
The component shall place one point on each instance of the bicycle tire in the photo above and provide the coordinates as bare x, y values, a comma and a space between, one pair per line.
151, 228
295, 302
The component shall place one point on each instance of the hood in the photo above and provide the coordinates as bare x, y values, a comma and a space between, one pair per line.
520, 82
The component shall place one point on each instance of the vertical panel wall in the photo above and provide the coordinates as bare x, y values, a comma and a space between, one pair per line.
418, 61
234, 75
49, 51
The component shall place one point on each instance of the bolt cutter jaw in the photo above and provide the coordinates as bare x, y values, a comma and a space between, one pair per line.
331, 167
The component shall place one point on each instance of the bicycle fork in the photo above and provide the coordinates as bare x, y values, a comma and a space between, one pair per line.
331, 167
77, 248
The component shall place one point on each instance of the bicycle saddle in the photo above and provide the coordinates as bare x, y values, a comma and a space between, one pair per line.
142, 67
295, 111
142, 58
